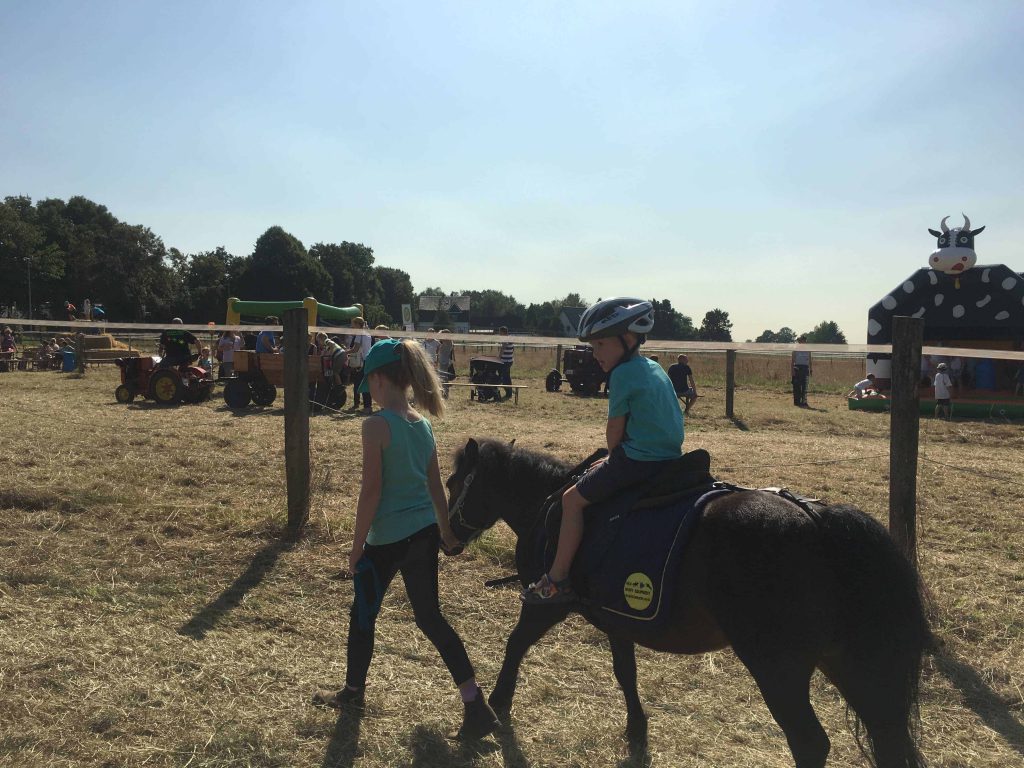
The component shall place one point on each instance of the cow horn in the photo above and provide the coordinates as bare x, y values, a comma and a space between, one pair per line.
967, 222
943, 227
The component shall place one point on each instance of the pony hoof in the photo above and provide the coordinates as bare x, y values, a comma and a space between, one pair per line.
500, 704
636, 732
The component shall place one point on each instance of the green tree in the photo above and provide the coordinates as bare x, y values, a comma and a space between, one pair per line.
785, 335
767, 337
670, 323
205, 284
827, 332
397, 290
350, 266
280, 269
716, 326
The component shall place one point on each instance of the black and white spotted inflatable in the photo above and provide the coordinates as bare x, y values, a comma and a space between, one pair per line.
959, 300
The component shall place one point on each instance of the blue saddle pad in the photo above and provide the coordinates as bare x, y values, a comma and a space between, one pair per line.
627, 562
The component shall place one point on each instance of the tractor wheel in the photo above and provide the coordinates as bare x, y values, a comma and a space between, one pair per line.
236, 393
336, 397
553, 382
124, 394
165, 387
263, 394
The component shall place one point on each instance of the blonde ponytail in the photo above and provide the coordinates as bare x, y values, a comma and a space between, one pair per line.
419, 373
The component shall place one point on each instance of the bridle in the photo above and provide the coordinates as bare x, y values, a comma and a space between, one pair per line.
456, 510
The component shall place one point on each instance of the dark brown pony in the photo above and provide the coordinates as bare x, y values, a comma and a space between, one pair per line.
787, 592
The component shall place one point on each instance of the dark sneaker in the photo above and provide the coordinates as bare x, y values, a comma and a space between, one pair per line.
548, 592
346, 698
478, 719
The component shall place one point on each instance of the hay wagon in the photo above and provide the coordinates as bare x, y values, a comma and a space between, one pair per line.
258, 375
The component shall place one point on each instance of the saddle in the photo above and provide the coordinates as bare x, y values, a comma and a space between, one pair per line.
633, 543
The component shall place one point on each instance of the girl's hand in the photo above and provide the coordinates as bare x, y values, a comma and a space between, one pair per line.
450, 545
353, 560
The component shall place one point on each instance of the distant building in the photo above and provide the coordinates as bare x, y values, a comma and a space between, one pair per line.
569, 320
432, 309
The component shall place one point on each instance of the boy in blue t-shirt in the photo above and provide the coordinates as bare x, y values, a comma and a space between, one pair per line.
645, 429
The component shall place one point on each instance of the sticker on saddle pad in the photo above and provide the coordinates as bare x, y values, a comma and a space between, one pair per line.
638, 590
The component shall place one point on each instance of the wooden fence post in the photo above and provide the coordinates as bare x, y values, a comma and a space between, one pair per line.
296, 416
80, 353
904, 421
730, 381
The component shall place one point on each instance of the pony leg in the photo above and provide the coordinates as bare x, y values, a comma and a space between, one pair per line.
534, 622
624, 665
785, 685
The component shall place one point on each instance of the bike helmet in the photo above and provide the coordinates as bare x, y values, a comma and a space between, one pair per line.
614, 317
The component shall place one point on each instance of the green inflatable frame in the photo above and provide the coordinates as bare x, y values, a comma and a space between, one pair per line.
314, 310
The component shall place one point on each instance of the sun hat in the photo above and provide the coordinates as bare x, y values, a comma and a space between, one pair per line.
383, 352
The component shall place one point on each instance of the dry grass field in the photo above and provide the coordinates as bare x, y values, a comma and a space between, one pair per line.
150, 615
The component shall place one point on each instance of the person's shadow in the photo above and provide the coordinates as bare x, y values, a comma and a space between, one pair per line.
344, 745
262, 562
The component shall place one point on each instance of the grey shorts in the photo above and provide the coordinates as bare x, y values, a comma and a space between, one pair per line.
617, 473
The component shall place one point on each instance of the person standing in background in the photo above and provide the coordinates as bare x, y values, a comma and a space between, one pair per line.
801, 373
507, 355
682, 381
359, 344
228, 343
943, 395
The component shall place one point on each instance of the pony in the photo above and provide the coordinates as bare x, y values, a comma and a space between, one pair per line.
790, 593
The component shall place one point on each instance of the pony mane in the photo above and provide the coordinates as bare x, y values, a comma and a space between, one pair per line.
515, 464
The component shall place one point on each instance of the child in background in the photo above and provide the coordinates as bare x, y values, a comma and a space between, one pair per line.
401, 518
206, 362
644, 430
943, 392
863, 387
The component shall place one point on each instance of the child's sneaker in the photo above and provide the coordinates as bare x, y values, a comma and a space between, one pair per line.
478, 719
548, 592
346, 698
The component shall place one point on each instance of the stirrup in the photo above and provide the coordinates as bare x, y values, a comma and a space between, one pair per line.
546, 591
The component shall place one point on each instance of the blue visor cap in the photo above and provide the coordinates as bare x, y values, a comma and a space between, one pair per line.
383, 352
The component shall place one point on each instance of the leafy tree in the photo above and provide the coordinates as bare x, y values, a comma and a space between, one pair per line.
827, 332
350, 266
205, 284
716, 326
669, 323
397, 290
280, 269
785, 335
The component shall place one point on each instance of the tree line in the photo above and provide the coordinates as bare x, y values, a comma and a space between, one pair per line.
57, 251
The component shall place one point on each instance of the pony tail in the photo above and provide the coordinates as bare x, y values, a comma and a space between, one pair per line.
426, 386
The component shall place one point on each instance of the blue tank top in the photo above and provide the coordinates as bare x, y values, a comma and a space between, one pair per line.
405, 506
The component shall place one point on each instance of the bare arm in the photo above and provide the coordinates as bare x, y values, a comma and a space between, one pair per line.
376, 436
615, 431
440, 500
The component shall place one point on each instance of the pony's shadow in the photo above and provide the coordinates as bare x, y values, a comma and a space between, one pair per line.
261, 564
430, 748
990, 708
344, 745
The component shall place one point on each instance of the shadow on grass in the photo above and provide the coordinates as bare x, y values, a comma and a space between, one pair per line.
252, 410
740, 424
430, 749
261, 563
344, 745
979, 697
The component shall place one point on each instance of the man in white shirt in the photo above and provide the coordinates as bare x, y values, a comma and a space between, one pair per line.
862, 387
359, 347
943, 390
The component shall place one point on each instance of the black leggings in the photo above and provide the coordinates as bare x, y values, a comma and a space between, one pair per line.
416, 558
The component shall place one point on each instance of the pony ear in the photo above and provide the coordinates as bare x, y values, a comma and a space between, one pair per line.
472, 452
512, 443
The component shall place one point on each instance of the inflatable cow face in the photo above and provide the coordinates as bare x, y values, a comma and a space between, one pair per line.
956, 248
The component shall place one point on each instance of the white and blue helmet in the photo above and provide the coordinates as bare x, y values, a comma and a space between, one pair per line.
614, 317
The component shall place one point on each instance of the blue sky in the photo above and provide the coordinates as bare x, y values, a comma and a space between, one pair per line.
781, 161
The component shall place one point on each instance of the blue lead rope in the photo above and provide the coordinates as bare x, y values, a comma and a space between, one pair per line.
365, 609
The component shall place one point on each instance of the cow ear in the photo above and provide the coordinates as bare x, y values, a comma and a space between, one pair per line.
938, 234
977, 231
